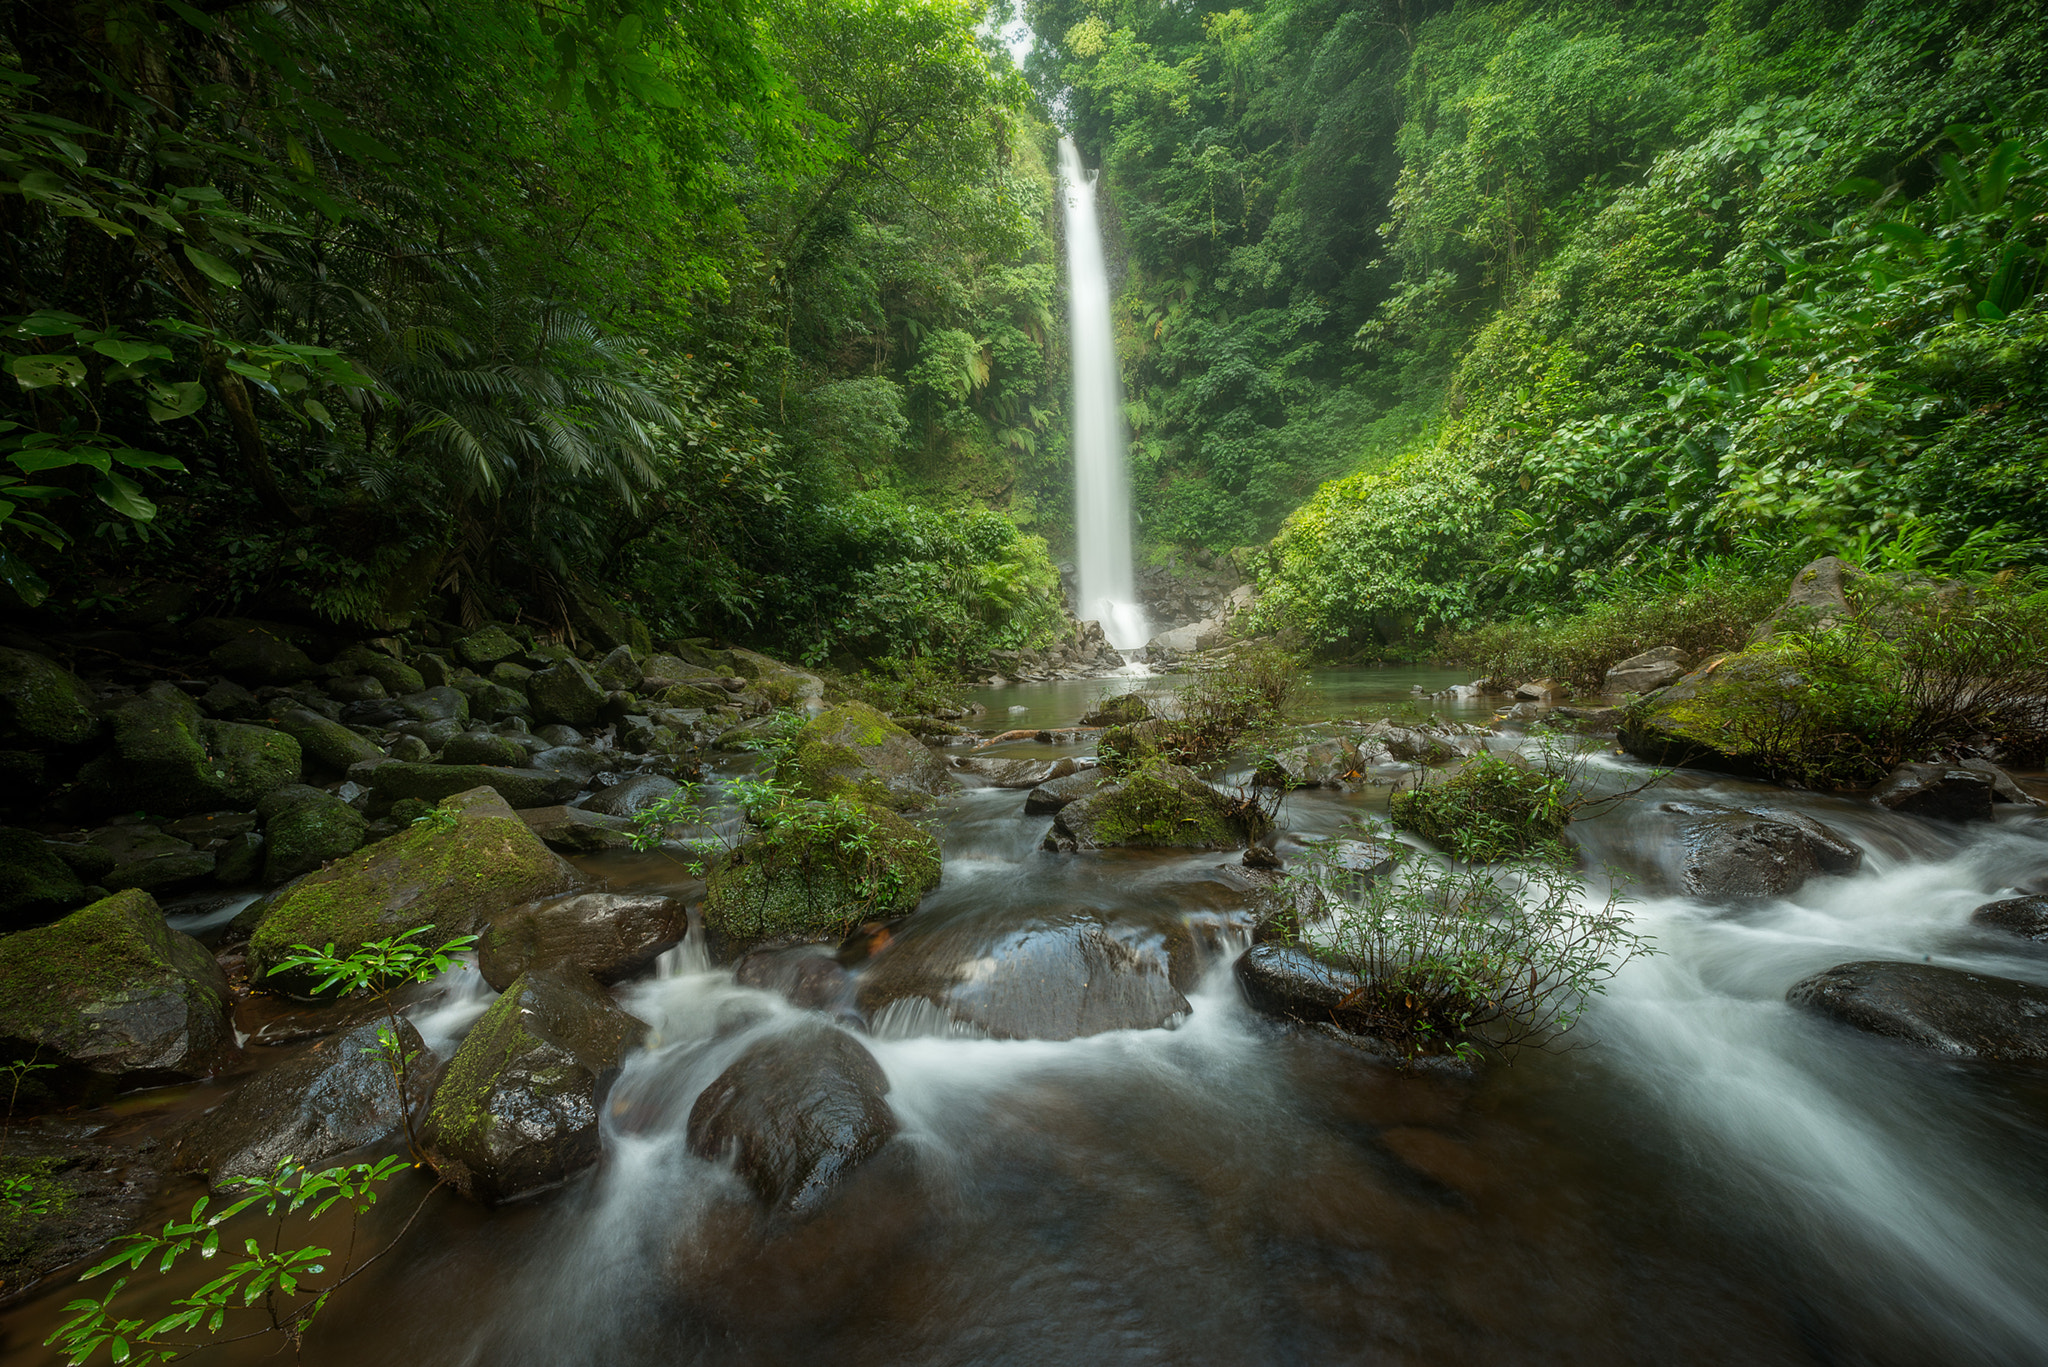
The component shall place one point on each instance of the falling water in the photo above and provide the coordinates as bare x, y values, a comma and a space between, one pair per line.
1102, 500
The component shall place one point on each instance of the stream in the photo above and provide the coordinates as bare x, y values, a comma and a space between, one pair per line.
1710, 1177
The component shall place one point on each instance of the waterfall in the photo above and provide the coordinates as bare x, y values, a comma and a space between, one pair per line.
1102, 499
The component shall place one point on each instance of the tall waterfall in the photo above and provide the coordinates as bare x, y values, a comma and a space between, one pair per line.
1102, 498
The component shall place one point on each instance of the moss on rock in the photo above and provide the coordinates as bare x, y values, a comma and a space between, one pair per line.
452, 876
433, 782
1493, 808
168, 760
326, 743
305, 832
41, 700
816, 870
34, 882
853, 751
1159, 806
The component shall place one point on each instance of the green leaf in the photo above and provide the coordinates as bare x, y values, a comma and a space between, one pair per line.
130, 353
317, 411
628, 31
40, 371
167, 403
124, 496
58, 458
147, 460
215, 269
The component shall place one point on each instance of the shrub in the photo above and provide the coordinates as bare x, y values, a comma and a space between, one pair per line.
1201, 722
1494, 807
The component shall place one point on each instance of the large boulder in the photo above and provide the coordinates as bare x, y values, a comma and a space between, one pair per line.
1050, 796
148, 858
1057, 978
612, 936
1015, 773
1162, 806
796, 1111
166, 759
778, 684
436, 782
485, 747
517, 1109
1819, 597
571, 830
1319, 764
1732, 853
1124, 710
1286, 981
816, 874
41, 701
1649, 671
1709, 718
2026, 917
396, 677
115, 996
325, 742
852, 750
452, 875
628, 796
566, 692
1969, 1015
35, 884
482, 649
337, 1095
1943, 792
255, 655
304, 828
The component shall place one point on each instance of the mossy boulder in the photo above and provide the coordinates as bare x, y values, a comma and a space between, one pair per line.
1159, 806
166, 759
114, 996
483, 747
566, 692
255, 655
482, 649
397, 677
325, 742
452, 875
34, 883
305, 827
1711, 718
853, 751
816, 873
433, 782
1123, 710
782, 685
517, 1109
43, 702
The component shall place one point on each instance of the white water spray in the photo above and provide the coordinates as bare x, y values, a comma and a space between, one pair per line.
1102, 500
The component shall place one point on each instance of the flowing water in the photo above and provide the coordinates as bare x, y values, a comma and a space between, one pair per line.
1102, 500
1714, 1178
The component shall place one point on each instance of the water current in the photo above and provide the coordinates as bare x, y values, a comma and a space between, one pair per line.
1713, 1177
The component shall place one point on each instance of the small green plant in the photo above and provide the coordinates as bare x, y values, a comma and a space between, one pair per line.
1505, 807
439, 819
376, 969
22, 1193
272, 1288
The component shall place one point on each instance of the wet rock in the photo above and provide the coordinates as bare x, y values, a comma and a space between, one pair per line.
239, 860
619, 670
256, 656
34, 883
808, 976
1437, 742
1015, 773
1970, 1015
612, 936
2004, 788
144, 857
803, 881
434, 782
854, 751
2023, 916
566, 692
1049, 797
571, 830
577, 762
397, 677
43, 702
1282, 980
630, 795
1319, 764
1649, 671
453, 876
1119, 711
491, 700
1161, 807
554, 733
1741, 854
1942, 792
304, 828
517, 1109
114, 996
337, 1095
448, 704
1261, 857
796, 1112
482, 649
166, 759
1058, 978
325, 743
1546, 691
484, 747
356, 688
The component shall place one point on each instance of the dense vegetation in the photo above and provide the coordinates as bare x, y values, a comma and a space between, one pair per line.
1489, 308
745, 314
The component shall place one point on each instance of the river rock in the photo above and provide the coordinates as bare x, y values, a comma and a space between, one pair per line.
1943, 792
357, 688
854, 751
1160, 807
337, 1095
435, 782
484, 747
2004, 788
1433, 742
228, 700
2023, 916
147, 858
566, 692
484, 648
1059, 978
1124, 710
453, 877
619, 669
807, 976
115, 996
612, 936
1319, 764
256, 656
795, 1112
1015, 773
778, 684
576, 762
1649, 671
799, 884
35, 884
517, 1109
304, 828
1742, 854
42, 702
571, 830
397, 677
166, 759
629, 795
1289, 982
1818, 598
1970, 1015
1049, 797
324, 742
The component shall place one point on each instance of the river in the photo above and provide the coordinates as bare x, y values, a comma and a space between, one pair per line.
1710, 1177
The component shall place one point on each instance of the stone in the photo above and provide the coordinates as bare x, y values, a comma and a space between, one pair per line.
397, 677
802, 882
1160, 807
1817, 598
1968, 1015
34, 883
144, 857
483, 747
239, 860
115, 997
228, 700
164, 758
618, 669
255, 655
2026, 917
1286, 981
1058, 977
509, 675
310, 829
852, 750
571, 830
44, 702
1049, 797
1734, 854
2004, 788
1940, 792
1015, 773
409, 750
612, 936
517, 1108
1705, 719
324, 743
807, 976
782, 686
795, 1112
335, 1096
629, 795
566, 692
482, 649
554, 733
493, 701
1124, 710
435, 671
356, 688
1319, 764
1547, 691
434, 782
453, 876
434, 705
577, 762
1648, 671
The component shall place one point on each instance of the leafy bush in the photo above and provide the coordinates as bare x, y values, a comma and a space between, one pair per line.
1494, 807
1217, 708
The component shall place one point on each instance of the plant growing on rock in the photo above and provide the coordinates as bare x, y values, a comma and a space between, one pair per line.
1504, 807
1218, 708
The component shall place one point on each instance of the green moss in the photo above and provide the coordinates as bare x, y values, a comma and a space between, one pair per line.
95, 954
42, 1199
33, 880
853, 751
1151, 807
818, 870
40, 699
1493, 808
462, 1097
307, 834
